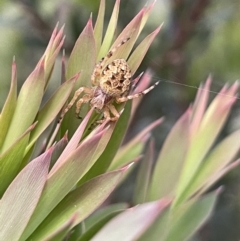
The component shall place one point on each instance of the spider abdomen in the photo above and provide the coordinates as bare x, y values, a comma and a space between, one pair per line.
116, 78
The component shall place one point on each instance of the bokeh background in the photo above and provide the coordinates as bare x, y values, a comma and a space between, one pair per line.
199, 37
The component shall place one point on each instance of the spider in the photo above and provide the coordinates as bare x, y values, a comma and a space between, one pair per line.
110, 83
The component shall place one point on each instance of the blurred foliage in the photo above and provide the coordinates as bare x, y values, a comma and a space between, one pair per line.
199, 37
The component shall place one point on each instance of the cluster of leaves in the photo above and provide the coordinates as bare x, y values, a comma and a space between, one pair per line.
51, 196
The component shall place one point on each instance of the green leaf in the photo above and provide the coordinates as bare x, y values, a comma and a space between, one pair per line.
147, 11
169, 163
132, 223
11, 160
130, 32
216, 161
158, 230
9, 106
200, 104
83, 201
203, 138
74, 142
61, 232
50, 110
143, 176
21, 197
189, 217
107, 41
61, 180
112, 147
58, 149
99, 219
54, 46
139, 53
133, 148
98, 28
82, 58
101, 213
28, 104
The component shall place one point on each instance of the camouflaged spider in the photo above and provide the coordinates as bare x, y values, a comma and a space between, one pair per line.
109, 83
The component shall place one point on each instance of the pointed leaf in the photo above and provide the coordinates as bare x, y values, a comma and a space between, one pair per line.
190, 217
165, 177
218, 175
11, 160
110, 31
147, 11
50, 110
83, 200
217, 160
98, 225
104, 212
159, 229
98, 28
133, 148
143, 176
200, 104
54, 46
73, 143
58, 149
131, 31
28, 104
139, 53
112, 147
83, 57
61, 232
61, 180
132, 223
144, 82
204, 137
21, 198
9, 106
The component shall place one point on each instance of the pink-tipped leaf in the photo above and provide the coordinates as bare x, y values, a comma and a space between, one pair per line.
21, 197
9, 105
83, 200
28, 103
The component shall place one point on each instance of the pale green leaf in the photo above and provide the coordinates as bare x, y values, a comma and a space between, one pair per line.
98, 28
61, 180
216, 161
132, 223
50, 110
11, 160
9, 106
144, 175
189, 217
28, 103
83, 201
133, 148
21, 197
107, 41
139, 53
171, 159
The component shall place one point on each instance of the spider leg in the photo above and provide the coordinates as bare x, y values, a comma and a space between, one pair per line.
137, 95
81, 101
113, 110
71, 103
106, 113
102, 62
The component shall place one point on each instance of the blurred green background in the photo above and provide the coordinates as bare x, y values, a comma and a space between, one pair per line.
199, 37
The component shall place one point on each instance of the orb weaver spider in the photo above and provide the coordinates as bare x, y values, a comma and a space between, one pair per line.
110, 83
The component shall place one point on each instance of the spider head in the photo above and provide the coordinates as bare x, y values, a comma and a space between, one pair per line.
116, 78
